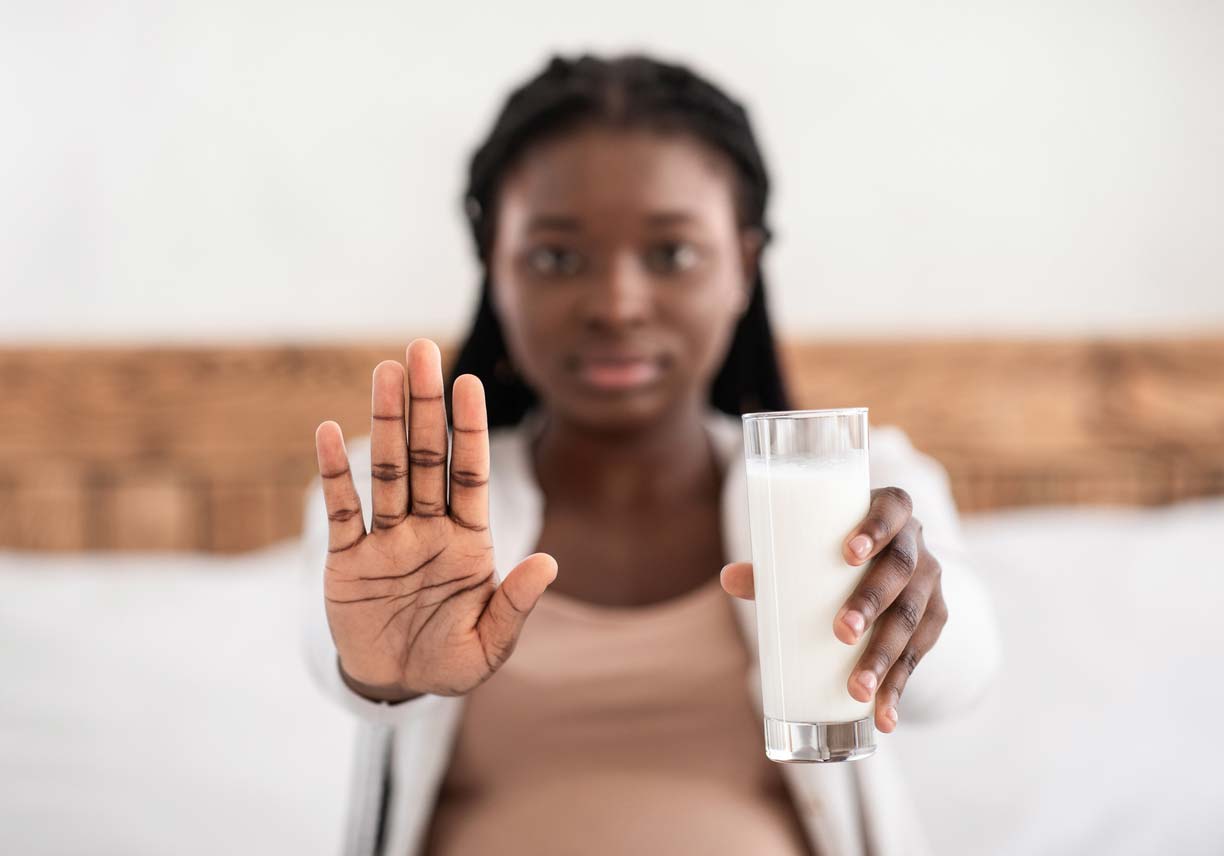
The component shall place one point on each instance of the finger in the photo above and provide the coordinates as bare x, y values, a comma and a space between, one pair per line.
503, 618
426, 430
345, 528
879, 586
890, 509
890, 637
736, 579
924, 640
388, 446
469, 465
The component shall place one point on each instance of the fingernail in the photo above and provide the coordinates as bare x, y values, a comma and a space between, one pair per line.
867, 680
860, 545
890, 713
855, 621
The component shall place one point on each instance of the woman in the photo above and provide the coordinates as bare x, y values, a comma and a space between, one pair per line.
603, 697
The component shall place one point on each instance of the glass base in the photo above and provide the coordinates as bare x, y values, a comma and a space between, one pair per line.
807, 742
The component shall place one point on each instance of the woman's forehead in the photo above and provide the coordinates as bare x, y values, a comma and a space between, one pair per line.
600, 172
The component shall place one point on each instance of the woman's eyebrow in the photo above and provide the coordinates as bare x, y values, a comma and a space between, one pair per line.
669, 218
553, 223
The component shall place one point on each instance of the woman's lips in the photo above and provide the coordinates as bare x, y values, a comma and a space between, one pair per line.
619, 374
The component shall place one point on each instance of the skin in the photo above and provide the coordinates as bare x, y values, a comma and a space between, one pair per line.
604, 238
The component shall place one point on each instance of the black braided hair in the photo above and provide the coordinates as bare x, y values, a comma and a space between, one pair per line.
631, 90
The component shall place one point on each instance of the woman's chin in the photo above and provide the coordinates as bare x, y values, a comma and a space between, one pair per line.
617, 413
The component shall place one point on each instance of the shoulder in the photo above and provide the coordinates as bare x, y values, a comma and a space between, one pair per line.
895, 461
890, 439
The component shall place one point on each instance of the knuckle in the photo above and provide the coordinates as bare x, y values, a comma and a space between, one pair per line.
426, 458
467, 524
498, 652
349, 546
909, 660
904, 556
388, 471
938, 610
469, 478
389, 521
942, 617
876, 527
936, 567
342, 515
900, 496
871, 598
882, 657
908, 615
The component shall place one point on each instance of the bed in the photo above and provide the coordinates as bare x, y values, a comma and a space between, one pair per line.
155, 699
158, 703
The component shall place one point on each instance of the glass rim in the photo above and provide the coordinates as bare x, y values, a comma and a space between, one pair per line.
802, 414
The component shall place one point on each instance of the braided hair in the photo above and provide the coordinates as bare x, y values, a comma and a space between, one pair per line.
627, 91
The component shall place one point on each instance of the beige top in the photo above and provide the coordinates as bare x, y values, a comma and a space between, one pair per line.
617, 730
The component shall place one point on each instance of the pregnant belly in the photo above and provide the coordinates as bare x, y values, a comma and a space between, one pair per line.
605, 813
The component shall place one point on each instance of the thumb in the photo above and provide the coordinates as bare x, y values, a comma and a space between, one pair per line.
502, 620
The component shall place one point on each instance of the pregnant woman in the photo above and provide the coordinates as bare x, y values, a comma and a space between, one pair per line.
541, 607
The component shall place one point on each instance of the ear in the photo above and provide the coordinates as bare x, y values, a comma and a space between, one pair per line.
752, 241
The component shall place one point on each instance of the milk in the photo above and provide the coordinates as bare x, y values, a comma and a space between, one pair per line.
801, 511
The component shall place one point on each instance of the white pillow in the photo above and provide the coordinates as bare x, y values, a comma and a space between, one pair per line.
155, 704
1099, 736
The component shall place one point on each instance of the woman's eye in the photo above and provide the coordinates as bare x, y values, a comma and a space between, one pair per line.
554, 261
672, 257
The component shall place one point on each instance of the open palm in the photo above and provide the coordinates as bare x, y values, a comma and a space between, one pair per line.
413, 604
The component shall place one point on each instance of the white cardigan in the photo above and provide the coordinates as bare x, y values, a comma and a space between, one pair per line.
858, 808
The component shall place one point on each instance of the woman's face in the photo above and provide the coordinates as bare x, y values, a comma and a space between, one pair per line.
619, 272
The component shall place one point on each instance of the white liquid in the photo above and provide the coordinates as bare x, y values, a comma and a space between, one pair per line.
800, 513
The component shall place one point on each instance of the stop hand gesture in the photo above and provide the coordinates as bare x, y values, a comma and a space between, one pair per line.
413, 604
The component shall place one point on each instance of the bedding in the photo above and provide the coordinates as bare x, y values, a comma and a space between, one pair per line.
1102, 736
157, 703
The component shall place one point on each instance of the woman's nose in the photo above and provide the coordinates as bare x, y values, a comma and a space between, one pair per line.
619, 297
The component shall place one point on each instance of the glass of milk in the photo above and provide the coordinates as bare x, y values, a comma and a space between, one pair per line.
808, 487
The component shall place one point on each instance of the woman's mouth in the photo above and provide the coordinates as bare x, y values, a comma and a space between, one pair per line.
618, 374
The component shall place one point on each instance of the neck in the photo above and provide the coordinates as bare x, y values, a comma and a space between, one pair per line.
653, 465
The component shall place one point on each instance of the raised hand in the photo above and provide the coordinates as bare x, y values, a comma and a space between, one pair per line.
413, 604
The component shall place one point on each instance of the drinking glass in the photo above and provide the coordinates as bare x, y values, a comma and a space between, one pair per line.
808, 487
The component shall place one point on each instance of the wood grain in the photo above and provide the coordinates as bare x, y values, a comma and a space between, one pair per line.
211, 447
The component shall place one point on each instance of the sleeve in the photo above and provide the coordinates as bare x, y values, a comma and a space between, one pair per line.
320, 649
963, 664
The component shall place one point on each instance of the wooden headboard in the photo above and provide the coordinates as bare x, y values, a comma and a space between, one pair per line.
210, 448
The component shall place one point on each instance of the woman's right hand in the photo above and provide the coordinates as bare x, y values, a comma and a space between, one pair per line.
413, 605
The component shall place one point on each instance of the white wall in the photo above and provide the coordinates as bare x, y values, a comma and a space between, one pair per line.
279, 169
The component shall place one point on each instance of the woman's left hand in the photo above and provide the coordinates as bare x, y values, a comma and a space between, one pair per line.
899, 595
